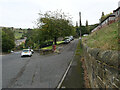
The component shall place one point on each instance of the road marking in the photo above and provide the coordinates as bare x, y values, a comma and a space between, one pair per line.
59, 85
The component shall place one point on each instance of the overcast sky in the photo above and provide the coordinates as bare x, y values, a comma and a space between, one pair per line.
23, 13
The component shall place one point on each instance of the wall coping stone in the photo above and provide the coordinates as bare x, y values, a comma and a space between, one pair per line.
110, 57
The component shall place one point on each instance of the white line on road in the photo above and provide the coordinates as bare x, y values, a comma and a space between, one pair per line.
59, 85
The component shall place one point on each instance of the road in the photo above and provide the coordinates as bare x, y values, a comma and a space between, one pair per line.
37, 71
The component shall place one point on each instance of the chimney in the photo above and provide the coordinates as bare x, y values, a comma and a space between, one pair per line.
119, 4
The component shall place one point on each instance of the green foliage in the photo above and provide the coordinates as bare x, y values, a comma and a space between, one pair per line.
55, 24
104, 16
51, 25
85, 29
20, 33
106, 38
7, 40
91, 27
20, 47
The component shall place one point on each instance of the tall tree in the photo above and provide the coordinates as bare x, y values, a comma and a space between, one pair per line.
54, 25
87, 27
103, 14
8, 38
86, 23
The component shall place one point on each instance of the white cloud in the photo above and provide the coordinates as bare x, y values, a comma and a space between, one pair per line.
21, 13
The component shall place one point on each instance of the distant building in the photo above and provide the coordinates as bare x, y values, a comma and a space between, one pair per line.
115, 16
108, 20
19, 42
117, 13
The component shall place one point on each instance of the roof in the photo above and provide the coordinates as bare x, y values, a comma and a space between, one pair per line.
116, 9
111, 15
26, 49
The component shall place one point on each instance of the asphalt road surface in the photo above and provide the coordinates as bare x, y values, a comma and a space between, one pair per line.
37, 71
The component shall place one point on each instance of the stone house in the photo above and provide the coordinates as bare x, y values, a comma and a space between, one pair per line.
115, 16
108, 20
117, 13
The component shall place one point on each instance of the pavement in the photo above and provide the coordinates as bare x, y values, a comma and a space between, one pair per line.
38, 71
74, 77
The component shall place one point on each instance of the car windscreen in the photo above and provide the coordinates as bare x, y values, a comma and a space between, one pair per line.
65, 39
25, 50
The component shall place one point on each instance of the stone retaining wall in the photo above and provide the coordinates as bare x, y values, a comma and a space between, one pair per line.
103, 67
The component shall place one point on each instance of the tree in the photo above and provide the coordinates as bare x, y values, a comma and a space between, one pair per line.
54, 25
7, 40
104, 16
87, 27
9, 32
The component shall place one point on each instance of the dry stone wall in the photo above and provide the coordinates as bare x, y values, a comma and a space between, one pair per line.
103, 67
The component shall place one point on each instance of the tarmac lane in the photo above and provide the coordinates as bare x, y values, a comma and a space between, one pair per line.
38, 71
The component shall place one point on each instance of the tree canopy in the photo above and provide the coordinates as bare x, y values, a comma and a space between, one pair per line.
8, 39
50, 26
54, 25
104, 16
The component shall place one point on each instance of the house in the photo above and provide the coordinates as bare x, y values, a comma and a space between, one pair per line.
115, 16
108, 20
117, 12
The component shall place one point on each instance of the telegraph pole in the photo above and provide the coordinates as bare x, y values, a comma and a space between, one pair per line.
80, 24
80, 30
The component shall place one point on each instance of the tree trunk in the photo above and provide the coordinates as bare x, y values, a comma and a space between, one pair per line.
55, 40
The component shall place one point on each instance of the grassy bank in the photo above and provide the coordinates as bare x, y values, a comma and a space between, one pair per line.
105, 38
18, 34
50, 47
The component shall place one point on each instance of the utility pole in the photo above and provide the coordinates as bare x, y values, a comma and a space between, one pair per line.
80, 30
80, 23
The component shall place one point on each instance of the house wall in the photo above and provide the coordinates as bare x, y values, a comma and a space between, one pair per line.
109, 20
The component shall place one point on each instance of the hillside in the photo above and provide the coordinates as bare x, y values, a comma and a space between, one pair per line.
106, 38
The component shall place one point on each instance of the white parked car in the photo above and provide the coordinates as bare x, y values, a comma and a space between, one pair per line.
85, 35
66, 41
32, 50
71, 38
26, 52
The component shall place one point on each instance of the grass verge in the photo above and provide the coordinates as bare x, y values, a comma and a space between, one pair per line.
18, 34
79, 55
106, 38
50, 47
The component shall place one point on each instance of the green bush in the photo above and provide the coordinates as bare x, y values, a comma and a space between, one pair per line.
7, 41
